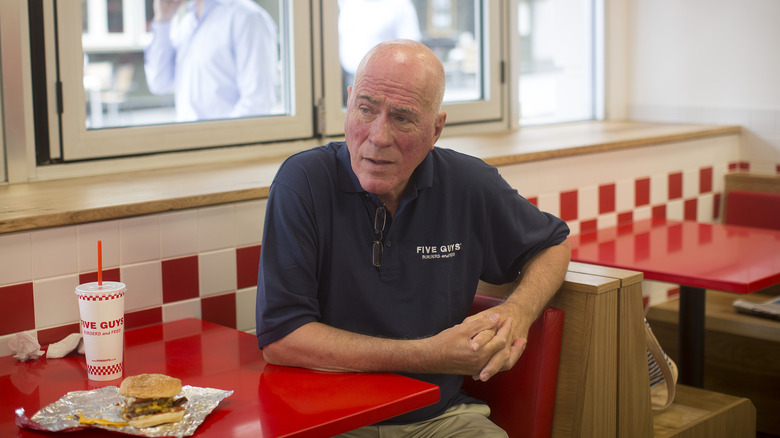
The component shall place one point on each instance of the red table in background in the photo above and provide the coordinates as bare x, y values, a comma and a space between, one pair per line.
268, 401
697, 256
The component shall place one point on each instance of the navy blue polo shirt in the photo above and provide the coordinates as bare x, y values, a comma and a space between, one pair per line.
459, 222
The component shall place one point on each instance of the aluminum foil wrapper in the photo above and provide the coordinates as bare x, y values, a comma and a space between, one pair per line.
106, 403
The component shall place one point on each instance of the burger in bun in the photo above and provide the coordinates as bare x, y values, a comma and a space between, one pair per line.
149, 400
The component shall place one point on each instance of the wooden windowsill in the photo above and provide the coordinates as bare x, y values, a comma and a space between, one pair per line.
44, 204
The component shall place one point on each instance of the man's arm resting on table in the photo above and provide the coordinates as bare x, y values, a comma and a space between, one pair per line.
319, 346
542, 276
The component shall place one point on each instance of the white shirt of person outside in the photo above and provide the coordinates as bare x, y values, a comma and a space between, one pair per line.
219, 59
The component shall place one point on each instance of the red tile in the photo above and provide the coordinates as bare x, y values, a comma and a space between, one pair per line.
675, 185
108, 275
247, 263
17, 312
642, 192
56, 334
659, 211
625, 218
568, 205
589, 226
219, 309
705, 180
607, 198
743, 166
535, 200
143, 318
180, 279
777, 168
690, 209
673, 292
645, 302
733, 166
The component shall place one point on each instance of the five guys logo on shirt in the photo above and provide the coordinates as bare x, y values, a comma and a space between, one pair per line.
438, 251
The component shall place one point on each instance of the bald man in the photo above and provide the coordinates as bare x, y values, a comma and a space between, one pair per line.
373, 248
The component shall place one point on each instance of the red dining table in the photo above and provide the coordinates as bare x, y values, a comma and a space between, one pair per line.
268, 400
697, 256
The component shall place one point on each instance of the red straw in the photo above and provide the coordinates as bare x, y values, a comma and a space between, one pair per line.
100, 263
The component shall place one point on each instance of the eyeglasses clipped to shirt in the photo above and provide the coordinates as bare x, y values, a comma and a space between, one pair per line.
380, 217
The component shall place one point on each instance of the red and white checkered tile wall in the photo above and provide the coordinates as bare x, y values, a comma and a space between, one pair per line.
203, 262
194, 263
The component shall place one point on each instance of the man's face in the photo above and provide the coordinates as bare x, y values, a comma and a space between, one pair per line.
391, 125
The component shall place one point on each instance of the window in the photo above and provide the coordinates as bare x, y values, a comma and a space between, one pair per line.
465, 34
558, 47
507, 62
119, 100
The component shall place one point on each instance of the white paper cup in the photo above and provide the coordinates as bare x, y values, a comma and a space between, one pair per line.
102, 309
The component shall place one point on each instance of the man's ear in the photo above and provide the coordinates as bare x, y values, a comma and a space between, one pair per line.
438, 126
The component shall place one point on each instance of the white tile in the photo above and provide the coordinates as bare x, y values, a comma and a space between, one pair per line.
659, 189
550, 203
246, 300
216, 228
139, 239
217, 272
55, 301
675, 210
624, 195
719, 178
15, 258
574, 227
587, 202
87, 236
181, 310
250, 217
179, 234
144, 285
54, 252
690, 183
606, 220
642, 213
706, 203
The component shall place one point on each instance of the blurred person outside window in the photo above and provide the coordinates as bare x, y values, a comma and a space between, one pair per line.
389, 19
219, 59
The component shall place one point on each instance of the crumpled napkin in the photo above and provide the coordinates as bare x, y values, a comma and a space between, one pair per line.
64, 347
25, 346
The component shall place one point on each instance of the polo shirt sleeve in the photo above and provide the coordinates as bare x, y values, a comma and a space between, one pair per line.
287, 282
517, 231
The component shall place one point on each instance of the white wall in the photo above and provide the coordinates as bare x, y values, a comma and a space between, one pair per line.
710, 61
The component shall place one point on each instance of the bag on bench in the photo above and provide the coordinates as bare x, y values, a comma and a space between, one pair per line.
662, 370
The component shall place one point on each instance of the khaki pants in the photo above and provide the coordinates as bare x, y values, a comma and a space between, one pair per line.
465, 420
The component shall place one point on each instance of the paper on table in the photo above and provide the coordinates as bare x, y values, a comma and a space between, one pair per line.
768, 309
63, 347
25, 346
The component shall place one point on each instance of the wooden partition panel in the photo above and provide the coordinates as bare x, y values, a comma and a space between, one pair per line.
633, 394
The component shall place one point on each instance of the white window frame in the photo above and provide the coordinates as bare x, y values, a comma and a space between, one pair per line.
80, 143
489, 109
